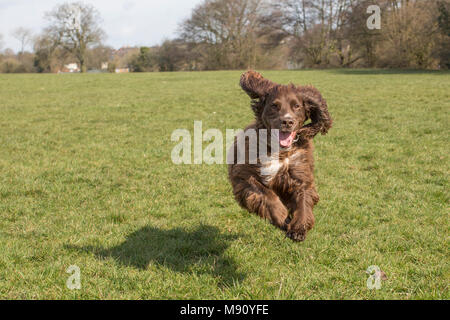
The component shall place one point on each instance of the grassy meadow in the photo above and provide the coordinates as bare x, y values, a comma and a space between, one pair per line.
86, 179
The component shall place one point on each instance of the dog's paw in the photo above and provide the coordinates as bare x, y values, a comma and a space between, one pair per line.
297, 233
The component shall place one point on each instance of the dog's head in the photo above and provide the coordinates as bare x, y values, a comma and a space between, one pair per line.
287, 108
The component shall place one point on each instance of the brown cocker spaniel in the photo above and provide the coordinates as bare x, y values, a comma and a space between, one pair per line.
280, 186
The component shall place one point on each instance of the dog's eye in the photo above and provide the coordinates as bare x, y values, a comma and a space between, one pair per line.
296, 106
274, 106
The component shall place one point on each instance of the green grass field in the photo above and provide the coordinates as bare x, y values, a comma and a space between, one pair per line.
86, 179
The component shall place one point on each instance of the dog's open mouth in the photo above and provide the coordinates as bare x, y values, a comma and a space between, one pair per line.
286, 138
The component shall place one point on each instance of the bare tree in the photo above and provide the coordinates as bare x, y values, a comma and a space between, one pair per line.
363, 41
1, 41
226, 29
75, 27
48, 55
411, 35
98, 55
313, 28
24, 36
443, 42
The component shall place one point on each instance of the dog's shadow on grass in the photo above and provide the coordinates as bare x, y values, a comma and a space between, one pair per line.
201, 250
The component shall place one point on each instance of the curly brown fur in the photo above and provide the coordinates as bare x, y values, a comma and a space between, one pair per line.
282, 192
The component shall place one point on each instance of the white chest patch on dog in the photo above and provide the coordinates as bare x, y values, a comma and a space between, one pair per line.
270, 168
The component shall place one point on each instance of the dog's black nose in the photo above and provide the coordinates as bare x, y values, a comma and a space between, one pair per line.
287, 123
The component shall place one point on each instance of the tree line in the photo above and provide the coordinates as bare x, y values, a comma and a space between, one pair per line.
262, 34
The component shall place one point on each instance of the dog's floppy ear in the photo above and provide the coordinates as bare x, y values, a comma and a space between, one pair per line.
316, 110
255, 85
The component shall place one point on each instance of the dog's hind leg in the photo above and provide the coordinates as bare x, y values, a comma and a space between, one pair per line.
257, 198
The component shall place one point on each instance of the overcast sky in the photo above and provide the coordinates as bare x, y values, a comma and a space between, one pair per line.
126, 22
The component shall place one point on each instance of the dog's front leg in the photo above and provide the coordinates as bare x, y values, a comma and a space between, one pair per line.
257, 198
303, 218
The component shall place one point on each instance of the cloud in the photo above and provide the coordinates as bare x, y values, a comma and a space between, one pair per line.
128, 5
125, 22
127, 30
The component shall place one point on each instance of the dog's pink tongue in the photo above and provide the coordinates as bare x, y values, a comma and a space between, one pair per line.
286, 138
